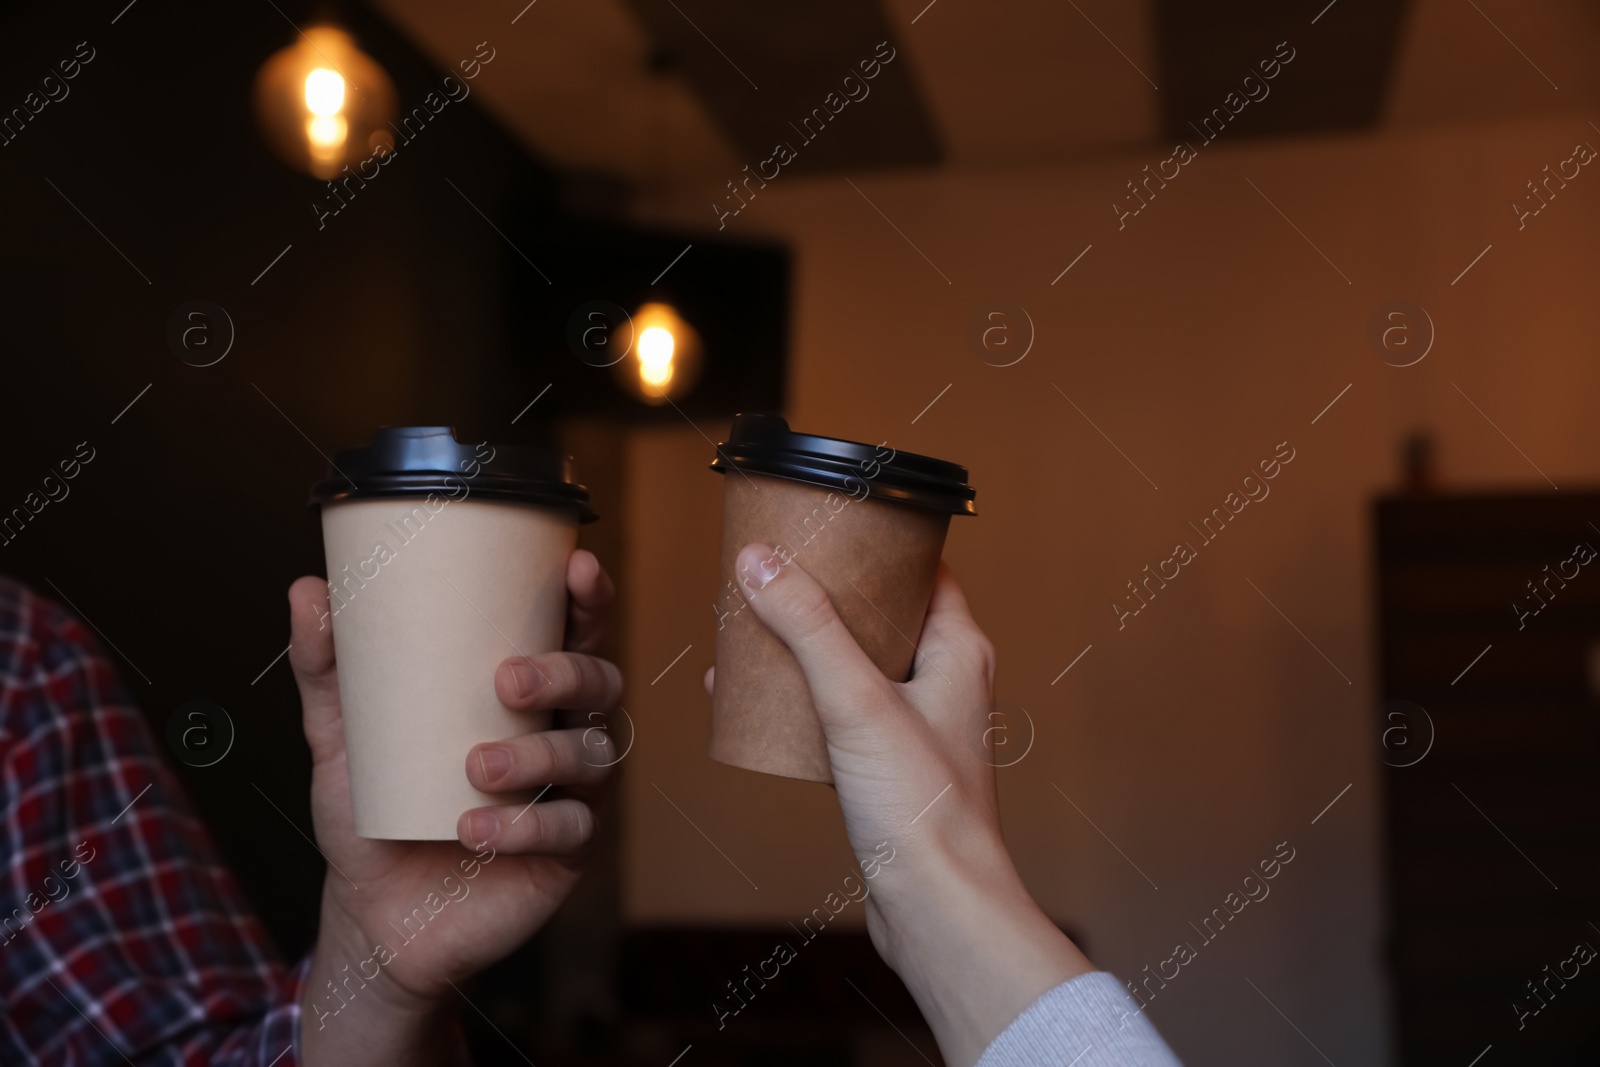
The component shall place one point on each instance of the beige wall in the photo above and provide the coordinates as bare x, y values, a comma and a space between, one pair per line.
1197, 339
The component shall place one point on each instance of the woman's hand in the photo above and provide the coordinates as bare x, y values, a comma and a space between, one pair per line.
948, 911
527, 858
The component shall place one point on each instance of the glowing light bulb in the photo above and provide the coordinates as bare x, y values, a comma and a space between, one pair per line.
663, 354
656, 346
324, 104
324, 92
326, 131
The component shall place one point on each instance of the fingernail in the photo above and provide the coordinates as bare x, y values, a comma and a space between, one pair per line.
522, 679
496, 763
481, 826
760, 576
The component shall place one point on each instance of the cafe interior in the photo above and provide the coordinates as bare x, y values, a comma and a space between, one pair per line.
1117, 259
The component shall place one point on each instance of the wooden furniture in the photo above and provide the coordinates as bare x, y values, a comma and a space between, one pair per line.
1493, 835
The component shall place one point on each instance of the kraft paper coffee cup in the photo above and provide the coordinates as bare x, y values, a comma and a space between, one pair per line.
444, 559
868, 523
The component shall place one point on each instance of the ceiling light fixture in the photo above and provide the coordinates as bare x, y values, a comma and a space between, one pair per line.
323, 103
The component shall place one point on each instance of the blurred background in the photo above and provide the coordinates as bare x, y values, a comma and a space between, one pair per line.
1111, 256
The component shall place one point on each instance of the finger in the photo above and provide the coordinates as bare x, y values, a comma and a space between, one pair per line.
549, 757
590, 594
844, 682
554, 828
315, 671
710, 679
567, 680
951, 640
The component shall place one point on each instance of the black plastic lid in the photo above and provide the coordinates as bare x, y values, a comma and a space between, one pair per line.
418, 460
764, 444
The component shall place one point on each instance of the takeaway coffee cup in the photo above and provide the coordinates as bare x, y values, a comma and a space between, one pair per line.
866, 522
443, 560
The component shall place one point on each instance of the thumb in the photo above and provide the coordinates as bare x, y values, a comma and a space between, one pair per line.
315, 672
845, 684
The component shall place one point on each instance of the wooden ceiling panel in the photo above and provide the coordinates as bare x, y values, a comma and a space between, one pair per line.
762, 69
1331, 65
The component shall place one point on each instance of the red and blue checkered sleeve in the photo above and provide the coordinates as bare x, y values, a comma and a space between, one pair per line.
122, 936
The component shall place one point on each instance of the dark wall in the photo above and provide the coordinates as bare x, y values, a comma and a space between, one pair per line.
180, 537
439, 294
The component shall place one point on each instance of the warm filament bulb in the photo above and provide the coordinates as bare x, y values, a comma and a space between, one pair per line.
655, 356
326, 131
322, 103
324, 92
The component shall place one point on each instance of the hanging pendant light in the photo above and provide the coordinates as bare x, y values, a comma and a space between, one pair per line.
323, 103
663, 359
663, 350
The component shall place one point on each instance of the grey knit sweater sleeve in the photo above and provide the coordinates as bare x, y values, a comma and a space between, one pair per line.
1089, 1021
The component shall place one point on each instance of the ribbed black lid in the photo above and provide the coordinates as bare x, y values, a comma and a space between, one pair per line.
418, 460
764, 444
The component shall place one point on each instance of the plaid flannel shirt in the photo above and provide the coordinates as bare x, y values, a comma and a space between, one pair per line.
122, 937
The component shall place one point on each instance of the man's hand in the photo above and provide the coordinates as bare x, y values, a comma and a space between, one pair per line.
526, 859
